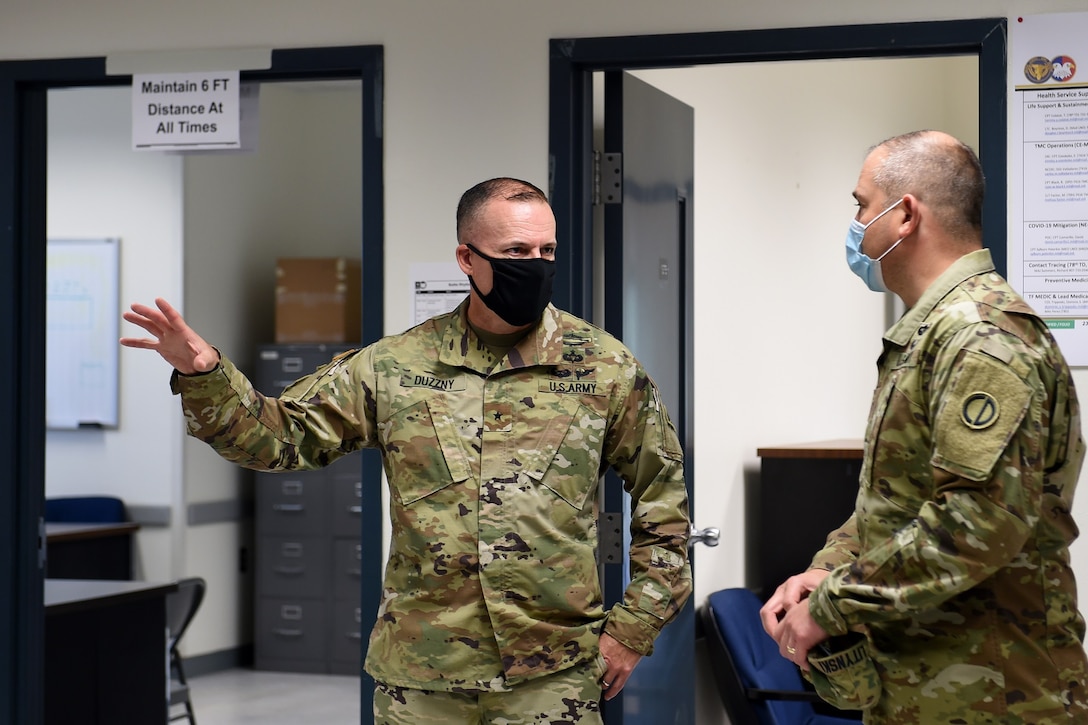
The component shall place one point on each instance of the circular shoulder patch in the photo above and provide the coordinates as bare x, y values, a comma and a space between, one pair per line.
980, 410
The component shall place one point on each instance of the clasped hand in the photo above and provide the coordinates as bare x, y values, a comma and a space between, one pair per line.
787, 619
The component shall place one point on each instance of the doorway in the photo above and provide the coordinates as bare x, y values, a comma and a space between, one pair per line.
758, 59
24, 105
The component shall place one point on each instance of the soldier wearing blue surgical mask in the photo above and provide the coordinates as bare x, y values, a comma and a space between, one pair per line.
861, 264
955, 565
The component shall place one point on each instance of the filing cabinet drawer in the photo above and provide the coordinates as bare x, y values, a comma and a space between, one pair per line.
293, 567
347, 562
347, 634
347, 496
278, 366
293, 502
295, 629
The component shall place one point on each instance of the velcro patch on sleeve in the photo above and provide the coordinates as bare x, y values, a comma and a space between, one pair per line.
654, 599
979, 416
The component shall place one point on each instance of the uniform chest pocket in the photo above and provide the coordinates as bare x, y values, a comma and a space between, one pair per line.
566, 458
898, 441
422, 451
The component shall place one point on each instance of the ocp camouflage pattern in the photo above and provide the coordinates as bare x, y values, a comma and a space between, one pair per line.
956, 559
493, 469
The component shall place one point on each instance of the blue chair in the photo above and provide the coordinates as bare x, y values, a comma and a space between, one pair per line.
756, 684
85, 510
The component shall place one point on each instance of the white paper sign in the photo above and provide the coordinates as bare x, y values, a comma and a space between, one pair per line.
1048, 173
185, 111
436, 288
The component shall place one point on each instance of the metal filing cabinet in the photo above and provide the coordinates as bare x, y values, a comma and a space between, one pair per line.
308, 549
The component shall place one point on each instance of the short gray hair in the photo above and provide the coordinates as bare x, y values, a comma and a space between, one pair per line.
941, 171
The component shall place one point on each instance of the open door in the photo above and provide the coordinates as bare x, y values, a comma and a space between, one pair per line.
647, 172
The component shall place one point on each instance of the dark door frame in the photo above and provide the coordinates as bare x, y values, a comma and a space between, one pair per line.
570, 131
24, 87
570, 136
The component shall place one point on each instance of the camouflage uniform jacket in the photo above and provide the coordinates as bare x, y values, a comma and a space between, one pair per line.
957, 556
493, 470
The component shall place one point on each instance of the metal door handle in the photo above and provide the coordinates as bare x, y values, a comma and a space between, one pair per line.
709, 537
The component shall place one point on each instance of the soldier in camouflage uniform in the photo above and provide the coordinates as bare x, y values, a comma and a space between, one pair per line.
495, 423
956, 559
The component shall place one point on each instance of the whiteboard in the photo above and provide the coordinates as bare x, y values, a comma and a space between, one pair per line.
82, 314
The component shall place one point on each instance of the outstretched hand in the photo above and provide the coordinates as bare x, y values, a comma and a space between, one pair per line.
174, 340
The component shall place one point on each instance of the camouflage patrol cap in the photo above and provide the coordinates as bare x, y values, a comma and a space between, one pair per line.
843, 673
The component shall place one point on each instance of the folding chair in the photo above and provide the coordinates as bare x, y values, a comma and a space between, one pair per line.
181, 607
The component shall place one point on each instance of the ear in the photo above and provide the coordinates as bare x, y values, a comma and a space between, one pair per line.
912, 216
464, 258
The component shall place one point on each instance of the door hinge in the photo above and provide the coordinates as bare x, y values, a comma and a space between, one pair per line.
607, 178
610, 537
41, 543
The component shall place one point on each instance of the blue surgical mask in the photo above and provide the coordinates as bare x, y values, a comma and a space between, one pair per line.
860, 263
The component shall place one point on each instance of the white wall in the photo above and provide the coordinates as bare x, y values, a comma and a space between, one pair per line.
99, 187
786, 337
297, 195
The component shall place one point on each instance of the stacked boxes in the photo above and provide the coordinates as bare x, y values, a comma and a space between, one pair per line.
318, 299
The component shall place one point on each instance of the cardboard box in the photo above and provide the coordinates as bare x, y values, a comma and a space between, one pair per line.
318, 300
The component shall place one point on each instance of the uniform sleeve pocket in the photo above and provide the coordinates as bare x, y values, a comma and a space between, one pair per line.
423, 452
981, 413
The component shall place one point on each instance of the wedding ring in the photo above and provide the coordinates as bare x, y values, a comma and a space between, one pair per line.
791, 650
605, 685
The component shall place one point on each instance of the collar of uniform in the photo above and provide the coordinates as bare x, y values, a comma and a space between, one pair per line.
543, 345
967, 266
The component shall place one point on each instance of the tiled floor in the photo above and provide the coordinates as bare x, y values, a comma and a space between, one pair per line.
248, 697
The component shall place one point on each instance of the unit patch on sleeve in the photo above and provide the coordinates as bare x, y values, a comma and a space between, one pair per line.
980, 410
980, 413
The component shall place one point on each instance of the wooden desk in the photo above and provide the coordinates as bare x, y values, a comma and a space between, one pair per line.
806, 490
89, 551
105, 652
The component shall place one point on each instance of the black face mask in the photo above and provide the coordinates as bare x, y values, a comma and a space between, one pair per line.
520, 288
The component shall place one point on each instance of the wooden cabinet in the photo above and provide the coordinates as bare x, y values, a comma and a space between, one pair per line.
805, 491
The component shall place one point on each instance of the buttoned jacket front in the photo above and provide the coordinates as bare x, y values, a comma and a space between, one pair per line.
956, 559
493, 469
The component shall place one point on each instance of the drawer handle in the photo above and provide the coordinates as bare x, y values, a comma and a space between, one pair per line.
354, 635
354, 572
290, 570
289, 507
287, 632
355, 509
